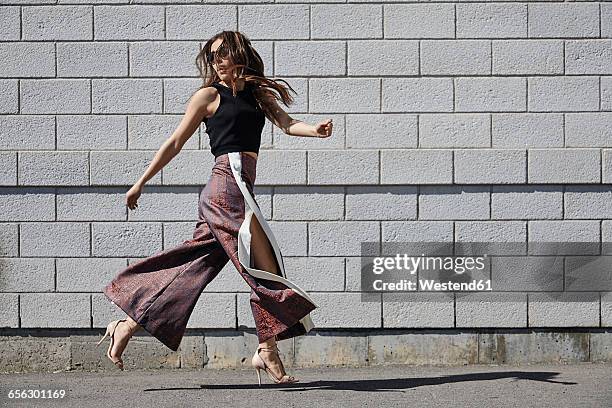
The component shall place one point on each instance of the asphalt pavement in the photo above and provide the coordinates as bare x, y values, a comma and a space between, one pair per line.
575, 385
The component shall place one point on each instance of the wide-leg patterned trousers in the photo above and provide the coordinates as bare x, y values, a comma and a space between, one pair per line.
160, 292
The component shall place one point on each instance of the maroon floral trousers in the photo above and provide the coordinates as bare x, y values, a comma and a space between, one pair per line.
160, 292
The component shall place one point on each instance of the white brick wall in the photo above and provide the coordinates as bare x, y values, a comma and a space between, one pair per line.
453, 121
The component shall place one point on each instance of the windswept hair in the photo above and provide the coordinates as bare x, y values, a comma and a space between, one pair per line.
248, 65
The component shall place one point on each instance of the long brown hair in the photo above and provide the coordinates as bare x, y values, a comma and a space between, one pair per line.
248, 65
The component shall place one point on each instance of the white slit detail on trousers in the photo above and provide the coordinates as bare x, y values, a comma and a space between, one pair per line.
244, 239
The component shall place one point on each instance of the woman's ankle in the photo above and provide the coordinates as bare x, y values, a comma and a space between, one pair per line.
269, 343
133, 326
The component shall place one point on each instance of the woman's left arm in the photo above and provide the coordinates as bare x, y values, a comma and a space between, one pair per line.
294, 127
299, 128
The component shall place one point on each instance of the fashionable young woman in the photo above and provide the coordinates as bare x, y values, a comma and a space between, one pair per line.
158, 294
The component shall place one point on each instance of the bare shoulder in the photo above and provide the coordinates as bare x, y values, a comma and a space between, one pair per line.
205, 95
202, 100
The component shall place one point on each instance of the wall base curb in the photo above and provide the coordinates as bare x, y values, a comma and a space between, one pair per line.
48, 350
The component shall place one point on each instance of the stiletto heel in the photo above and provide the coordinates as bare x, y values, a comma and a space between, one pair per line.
110, 331
260, 364
258, 375
103, 337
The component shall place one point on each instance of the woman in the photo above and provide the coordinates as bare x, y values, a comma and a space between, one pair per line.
158, 294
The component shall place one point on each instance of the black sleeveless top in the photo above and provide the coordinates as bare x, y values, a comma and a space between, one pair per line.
237, 123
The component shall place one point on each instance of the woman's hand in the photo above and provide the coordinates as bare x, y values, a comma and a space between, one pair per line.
131, 197
324, 129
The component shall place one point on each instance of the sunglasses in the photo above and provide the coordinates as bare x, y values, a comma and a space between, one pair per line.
219, 53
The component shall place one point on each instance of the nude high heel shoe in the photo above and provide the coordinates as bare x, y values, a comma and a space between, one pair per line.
259, 364
110, 331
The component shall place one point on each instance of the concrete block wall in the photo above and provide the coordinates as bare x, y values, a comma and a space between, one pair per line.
491, 121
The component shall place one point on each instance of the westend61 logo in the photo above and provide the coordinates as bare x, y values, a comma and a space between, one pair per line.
573, 271
411, 264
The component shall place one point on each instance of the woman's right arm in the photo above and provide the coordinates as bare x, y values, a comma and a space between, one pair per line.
194, 114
